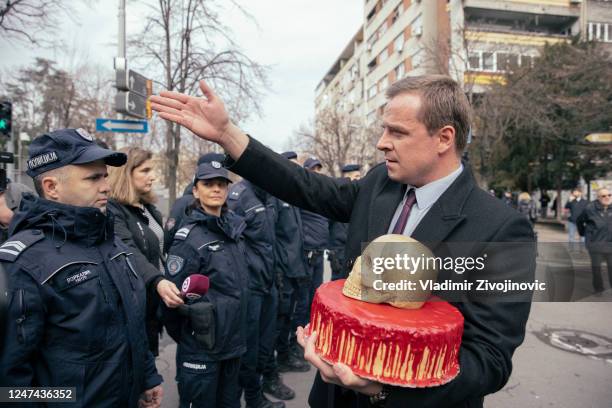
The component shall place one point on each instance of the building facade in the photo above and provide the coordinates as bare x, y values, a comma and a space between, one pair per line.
474, 41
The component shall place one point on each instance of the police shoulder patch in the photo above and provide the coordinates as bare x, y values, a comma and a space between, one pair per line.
16, 244
236, 191
175, 264
183, 232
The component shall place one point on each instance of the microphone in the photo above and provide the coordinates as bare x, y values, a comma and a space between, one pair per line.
195, 286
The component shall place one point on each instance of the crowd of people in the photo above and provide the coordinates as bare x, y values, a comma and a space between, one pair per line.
588, 223
262, 256
95, 273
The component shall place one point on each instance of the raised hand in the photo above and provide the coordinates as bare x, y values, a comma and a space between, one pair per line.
206, 116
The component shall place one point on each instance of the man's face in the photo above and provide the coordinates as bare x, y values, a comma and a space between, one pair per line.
84, 185
410, 152
316, 169
353, 175
577, 193
604, 197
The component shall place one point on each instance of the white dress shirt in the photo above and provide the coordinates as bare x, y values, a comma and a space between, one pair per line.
426, 196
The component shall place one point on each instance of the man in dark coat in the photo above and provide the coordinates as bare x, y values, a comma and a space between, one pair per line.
315, 230
595, 224
426, 123
292, 266
338, 231
258, 209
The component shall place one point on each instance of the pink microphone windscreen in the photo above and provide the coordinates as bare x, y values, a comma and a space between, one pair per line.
195, 286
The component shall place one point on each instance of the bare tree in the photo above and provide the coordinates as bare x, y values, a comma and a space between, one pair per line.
186, 41
32, 20
336, 138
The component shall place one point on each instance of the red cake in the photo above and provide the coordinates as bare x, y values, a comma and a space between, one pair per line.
403, 347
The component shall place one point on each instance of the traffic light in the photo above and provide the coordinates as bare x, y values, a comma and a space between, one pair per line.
6, 113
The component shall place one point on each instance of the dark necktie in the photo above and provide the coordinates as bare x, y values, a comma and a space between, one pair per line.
400, 224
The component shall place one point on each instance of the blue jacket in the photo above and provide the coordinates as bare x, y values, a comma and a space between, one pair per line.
76, 314
212, 246
315, 230
290, 256
259, 211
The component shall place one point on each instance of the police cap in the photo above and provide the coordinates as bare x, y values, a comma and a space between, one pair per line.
350, 167
68, 146
212, 170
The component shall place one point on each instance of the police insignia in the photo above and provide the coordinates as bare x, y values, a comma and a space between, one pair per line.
215, 164
175, 264
83, 133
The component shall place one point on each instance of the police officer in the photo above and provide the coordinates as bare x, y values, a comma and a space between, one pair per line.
259, 211
338, 231
76, 316
316, 237
210, 243
294, 292
180, 206
9, 202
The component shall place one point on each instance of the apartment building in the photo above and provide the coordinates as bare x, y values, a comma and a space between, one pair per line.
475, 41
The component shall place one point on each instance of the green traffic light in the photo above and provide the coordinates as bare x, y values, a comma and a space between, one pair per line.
3, 124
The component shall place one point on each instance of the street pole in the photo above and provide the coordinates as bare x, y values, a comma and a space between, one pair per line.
121, 60
121, 35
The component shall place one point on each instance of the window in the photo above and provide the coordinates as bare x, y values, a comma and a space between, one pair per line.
354, 71
382, 29
488, 61
372, 91
506, 61
474, 60
398, 43
599, 32
372, 65
383, 55
400, 71
527, 61
384, 83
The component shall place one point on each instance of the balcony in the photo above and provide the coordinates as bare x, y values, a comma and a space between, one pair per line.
479, 19
554, 7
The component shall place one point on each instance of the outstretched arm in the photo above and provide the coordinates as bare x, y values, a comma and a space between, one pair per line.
206, 117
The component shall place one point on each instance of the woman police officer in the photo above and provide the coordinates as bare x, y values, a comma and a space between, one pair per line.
210, 243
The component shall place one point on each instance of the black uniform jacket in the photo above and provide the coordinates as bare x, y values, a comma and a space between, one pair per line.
76, 314
214, 247
290, 257
595, 223
259, 212
464, 213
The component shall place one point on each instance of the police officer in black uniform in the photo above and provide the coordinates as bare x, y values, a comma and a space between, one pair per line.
294, 292
76, 314
259, 211
338, 231
316, 237
180, 207
210, 243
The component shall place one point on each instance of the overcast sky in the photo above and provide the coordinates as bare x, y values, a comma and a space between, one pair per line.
298, 39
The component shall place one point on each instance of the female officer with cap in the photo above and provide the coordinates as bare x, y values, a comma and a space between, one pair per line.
210, 243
